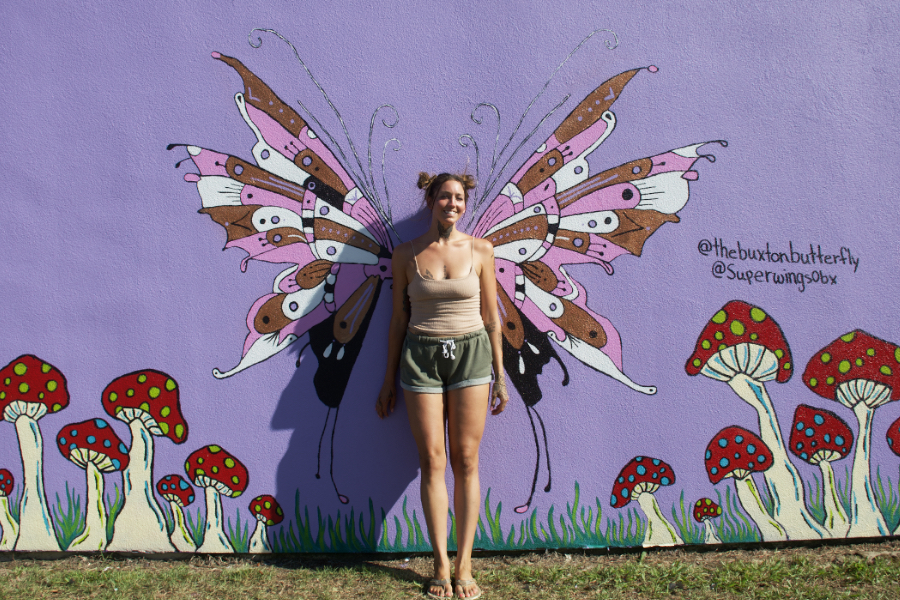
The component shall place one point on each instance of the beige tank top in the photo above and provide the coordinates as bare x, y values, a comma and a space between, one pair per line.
445, 307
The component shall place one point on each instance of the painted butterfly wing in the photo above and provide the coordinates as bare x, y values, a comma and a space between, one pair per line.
297, 205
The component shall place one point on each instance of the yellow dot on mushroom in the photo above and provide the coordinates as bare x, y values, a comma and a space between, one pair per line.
848, 337
229, 463
720, 317
52, 385
705, 345
885, 370
215, 470
45, 368
200, 460
20, 369
235, 480
721, 347
6, 381
719, 335
145, 407
859, 362
257, 508
165, 411
826, 357
779, 353
179, 431
870, 352
268, 505
214, 449
718, 510
164, 427
737, 328
844, 366
2, 395
279, 511
754, 336
813, 382
829, 380
40, 395
129, 392
897, 354
198, 472
171, 385
787, 366
142, 378
270, 522
23, 388
187, 466
113, 396
697, 362
757, 314
57, 407
118, 409
154, 392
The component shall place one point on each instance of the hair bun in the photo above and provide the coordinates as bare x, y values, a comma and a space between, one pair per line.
425, 180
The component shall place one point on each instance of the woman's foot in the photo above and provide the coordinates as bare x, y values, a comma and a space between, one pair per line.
467, 588
438, 588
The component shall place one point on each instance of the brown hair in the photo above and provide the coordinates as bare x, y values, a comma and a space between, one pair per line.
433, 183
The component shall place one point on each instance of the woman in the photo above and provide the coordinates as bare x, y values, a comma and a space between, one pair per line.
444, 337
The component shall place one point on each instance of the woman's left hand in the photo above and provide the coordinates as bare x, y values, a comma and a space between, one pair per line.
499, 397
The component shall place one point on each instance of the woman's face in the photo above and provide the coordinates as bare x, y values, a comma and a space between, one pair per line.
449, 203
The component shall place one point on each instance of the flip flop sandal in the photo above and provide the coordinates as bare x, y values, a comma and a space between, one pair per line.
443, 583
468, 583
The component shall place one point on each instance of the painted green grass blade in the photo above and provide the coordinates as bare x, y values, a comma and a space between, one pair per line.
887, 499
687, 528
238, 536
68, 521
114, 500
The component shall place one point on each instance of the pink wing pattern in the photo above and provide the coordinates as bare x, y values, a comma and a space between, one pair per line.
553, 213
296, 205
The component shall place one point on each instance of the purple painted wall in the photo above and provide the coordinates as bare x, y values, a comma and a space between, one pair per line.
108, 269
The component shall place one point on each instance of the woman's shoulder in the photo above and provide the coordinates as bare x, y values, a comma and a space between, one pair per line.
484, 247
404, 251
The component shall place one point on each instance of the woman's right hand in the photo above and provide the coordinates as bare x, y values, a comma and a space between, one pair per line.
387, 398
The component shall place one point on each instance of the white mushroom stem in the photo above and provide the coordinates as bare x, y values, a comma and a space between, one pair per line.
659, 531
36, 531
214, 538
784, 481
836, 520
769, 529
259, 541
94, 535
865, 517
141, 525
9, 526
709, 533
181, 537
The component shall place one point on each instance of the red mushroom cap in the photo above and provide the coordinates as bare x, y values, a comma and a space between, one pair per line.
736, 452
152, 397
213, 466
93, 441
642, 475
267, 510
32, 387
7, 483
749, 341
870, 368
175, 489
705, 509
893, 437
819, 435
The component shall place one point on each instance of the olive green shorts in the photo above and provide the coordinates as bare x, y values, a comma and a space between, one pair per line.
431, 365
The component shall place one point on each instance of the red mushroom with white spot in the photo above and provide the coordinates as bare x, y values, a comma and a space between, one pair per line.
639, 480
820, 437
29, 389
744, 347
267, 512
705, 510
148, 402
861, 372
736, 453
7, 523
179, 494
220, 474
95, 447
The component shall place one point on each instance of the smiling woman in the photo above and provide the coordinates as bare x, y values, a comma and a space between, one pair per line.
444, 337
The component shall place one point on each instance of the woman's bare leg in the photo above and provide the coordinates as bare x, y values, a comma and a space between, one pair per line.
426, 419
466, 414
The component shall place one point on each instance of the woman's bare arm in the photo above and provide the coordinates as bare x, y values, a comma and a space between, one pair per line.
485, 252
387, 398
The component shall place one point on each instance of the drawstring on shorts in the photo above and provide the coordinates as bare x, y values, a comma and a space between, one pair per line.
448, 346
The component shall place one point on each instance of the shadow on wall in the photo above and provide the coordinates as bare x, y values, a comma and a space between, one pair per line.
342, 459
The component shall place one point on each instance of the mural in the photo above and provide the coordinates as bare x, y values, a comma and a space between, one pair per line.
619, 408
